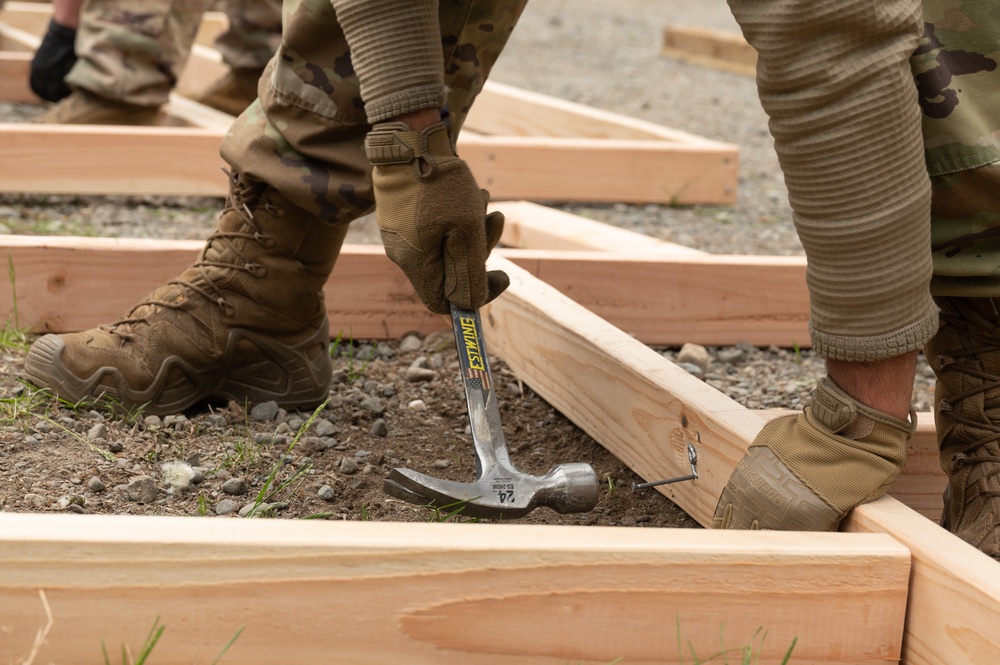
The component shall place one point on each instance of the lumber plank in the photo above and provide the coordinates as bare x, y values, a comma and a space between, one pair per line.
16, 39
203, 68
14, 71
30, 17
529, 225
164, 160
713, 48
644, 410
508, 110
442, 593
953, 615
66, 284
601, 170
92, 159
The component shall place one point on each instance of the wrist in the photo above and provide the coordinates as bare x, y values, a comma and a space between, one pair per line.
885, 385
419, 120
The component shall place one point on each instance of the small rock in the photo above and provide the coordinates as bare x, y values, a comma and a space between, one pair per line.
152, 422
226, 507
217, 420
731, 356
115, 446
30, 441
410, 343
235, 486
264, 411
420, 363
326, 493
440, 464
692, 369
417, 405
323, 428
37, 500
379, 428
95, 485
98, 431
418, 374
348, 466
142, 489
295, 423
372, 405
695, 354
340, 377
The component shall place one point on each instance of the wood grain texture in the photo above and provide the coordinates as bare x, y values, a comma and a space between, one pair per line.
380, 593
953, 615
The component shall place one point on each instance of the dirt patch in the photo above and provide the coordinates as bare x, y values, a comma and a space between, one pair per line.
328, 464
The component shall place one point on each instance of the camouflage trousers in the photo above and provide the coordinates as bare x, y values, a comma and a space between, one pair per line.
958, 83
304, 135
134, 50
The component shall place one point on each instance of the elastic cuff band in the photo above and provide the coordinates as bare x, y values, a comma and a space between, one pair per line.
866, 349
406, 101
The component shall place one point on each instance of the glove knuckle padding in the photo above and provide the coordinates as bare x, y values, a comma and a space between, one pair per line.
434, 223
799, 474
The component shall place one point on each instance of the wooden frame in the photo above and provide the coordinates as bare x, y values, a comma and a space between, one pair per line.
898, 589
634, 402
518, 144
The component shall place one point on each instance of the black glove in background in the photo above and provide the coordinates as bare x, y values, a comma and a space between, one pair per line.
53, 60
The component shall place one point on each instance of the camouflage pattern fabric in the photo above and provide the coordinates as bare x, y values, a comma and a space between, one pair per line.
305, 134
958, 81
133, 50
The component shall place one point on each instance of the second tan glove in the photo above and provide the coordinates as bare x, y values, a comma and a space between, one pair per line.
432, 216
806, 472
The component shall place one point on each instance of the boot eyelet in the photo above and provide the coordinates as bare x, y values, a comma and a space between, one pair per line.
265, 240
256, 269
944, 405
227, 310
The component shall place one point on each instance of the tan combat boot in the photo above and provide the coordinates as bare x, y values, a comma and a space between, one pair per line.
247, 321
85, 108
965, 356
234, 92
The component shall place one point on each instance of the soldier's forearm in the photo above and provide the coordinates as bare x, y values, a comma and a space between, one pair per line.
396, 52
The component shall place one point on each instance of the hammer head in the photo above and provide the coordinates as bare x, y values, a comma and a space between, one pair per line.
503, 493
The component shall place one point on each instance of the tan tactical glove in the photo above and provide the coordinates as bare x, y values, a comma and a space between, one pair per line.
430, 212
806, 472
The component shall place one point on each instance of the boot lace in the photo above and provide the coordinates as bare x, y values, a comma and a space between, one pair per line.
243, 199
985, 431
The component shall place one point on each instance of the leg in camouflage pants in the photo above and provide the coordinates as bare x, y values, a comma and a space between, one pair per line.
247, 322
131, 53
959, 84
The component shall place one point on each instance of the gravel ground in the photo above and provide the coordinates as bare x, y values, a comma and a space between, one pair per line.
598, 53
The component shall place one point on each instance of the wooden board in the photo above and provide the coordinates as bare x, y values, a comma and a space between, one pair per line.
379, 593
66, 284
712, 48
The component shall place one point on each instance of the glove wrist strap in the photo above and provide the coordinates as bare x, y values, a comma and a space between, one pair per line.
840, 413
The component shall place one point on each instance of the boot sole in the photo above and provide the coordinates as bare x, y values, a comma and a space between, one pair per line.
289, 375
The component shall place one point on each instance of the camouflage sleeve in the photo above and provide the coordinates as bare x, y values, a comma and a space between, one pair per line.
835, 81
396, 52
